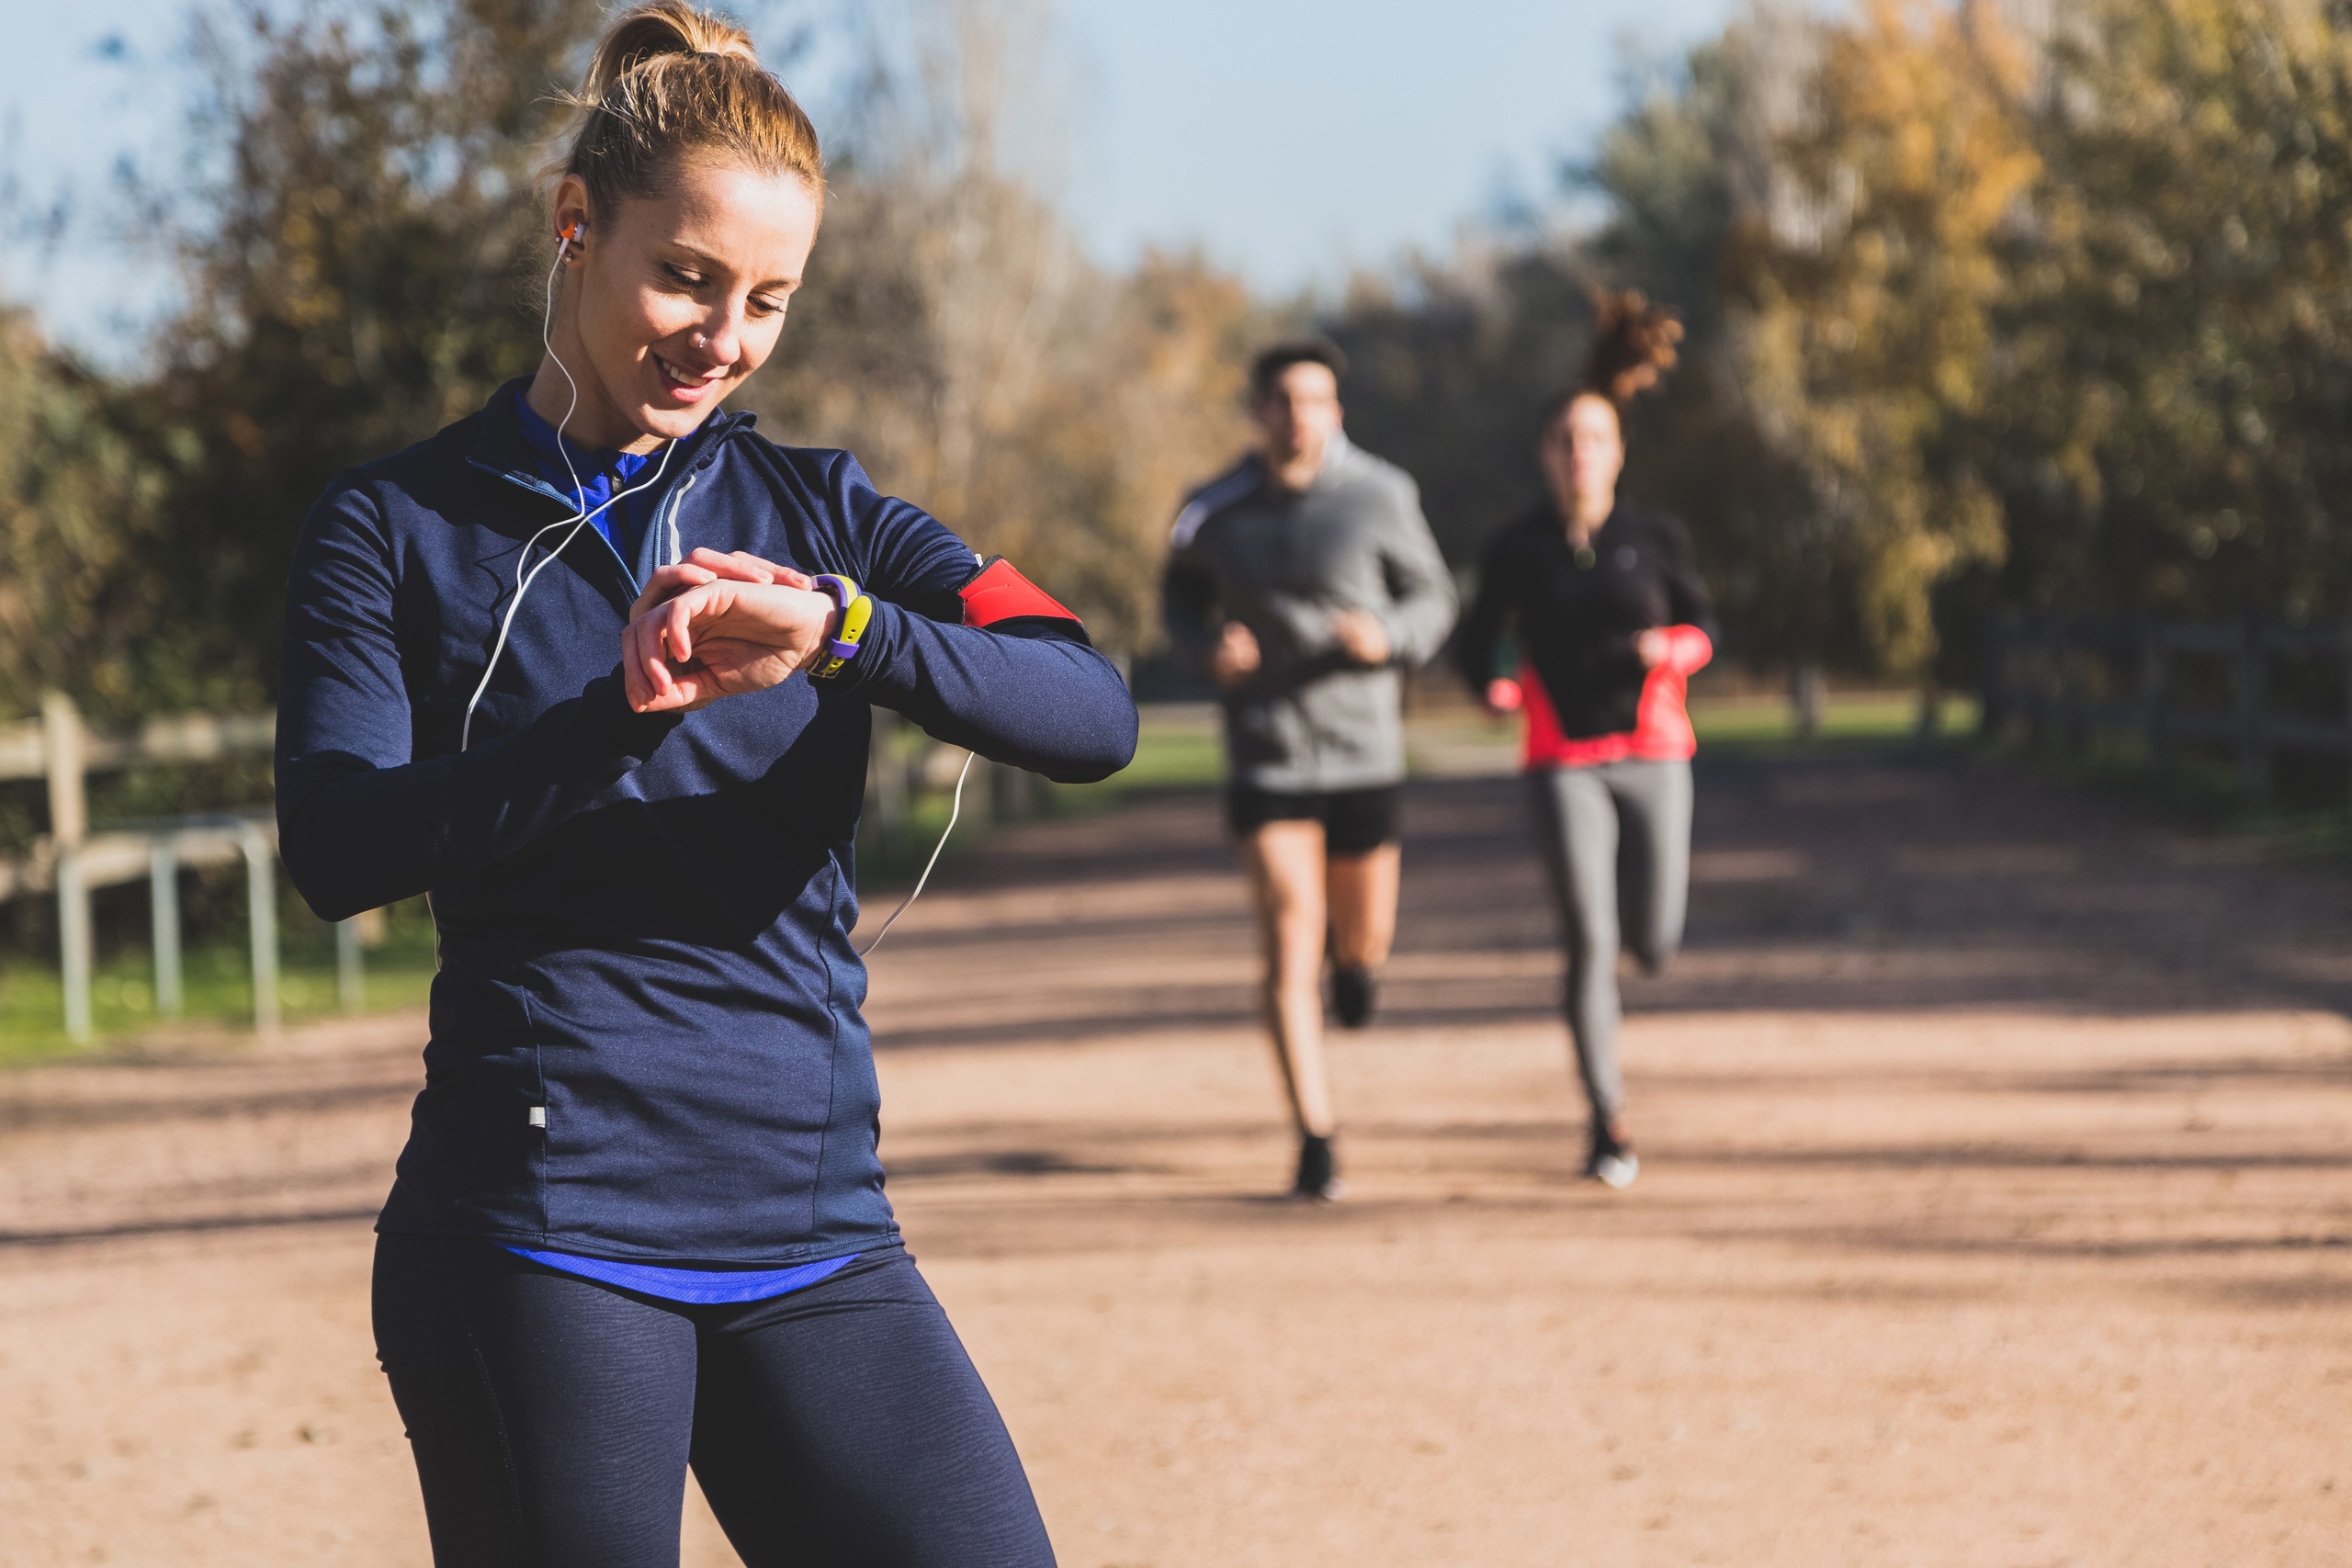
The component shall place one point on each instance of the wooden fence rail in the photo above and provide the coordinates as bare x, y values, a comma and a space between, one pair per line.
73, 860
2058, 679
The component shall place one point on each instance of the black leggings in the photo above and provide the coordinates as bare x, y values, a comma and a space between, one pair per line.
553, 1418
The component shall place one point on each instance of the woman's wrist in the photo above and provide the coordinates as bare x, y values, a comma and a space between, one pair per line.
844, 630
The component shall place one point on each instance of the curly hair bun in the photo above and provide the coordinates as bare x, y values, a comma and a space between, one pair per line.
1633, 345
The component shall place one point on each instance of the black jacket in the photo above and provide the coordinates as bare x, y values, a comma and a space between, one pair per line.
1576, 621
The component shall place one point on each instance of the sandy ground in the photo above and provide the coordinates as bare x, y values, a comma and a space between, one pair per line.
1996, 1211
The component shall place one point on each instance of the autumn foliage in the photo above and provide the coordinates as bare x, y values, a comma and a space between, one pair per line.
2038, 305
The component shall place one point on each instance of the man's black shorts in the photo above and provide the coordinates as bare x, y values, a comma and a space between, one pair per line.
1355, 821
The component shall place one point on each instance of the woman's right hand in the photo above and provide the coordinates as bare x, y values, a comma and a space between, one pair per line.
710, 565
721, 637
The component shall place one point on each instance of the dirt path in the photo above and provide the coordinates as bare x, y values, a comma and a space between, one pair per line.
1996, 1211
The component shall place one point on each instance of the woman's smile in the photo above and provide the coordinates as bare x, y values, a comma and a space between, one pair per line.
685, 385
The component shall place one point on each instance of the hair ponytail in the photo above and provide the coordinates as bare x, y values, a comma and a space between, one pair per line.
669, 81
1632, 346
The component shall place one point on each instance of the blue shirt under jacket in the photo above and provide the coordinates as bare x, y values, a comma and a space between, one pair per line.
599, 482
645, 1043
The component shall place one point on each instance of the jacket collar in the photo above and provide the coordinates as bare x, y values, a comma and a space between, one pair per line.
500, 449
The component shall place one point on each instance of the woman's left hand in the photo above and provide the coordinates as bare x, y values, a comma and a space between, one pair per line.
721, 637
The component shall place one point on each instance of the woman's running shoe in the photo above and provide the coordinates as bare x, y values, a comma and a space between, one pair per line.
1612, 1163
1352, 997
1318, 1171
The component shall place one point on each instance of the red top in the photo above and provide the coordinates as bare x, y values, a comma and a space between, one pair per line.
1661, 729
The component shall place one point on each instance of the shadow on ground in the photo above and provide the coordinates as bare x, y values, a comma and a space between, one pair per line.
1847, 881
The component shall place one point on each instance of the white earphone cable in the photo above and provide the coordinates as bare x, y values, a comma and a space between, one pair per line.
955, 809
582, 517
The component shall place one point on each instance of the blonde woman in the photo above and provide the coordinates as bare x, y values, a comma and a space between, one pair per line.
594, 668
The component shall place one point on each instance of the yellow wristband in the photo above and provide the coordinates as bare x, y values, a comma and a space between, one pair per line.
843, 646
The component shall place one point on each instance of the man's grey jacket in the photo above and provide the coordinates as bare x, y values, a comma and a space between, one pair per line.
1285, 564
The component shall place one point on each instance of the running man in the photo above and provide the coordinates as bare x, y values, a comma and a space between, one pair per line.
1610, 619
639, 1222
1306, 580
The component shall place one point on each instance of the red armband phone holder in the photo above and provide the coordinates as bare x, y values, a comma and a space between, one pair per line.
998, 592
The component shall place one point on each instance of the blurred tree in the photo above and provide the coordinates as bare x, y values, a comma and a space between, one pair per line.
1953, 303
954, 336
356, 276
78, 509
2179, 344
1449, 368
1452, 363
1871, 298
1697, 184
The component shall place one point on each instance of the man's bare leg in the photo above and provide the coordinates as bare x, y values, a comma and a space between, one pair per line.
1362, 892
1286, 872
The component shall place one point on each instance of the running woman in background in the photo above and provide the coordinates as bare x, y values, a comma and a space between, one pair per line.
639, 1222
1306, 580
1609, 619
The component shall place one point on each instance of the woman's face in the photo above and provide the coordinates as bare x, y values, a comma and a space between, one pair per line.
677, 297
1585, 451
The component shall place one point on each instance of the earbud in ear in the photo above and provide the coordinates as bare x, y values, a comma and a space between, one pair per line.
574, 237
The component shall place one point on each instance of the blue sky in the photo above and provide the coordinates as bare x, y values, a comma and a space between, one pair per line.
1292, 139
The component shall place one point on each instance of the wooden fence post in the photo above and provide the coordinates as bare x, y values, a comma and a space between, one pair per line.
350, 975
1806, 700
2347, 706
69, 825
886, 784
1012, 792
1992, 697
2074, 720
260, 897
163, 920
2036, 685
2151, 694
2253, 744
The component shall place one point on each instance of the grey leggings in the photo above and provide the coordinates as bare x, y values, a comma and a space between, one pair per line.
1616, 840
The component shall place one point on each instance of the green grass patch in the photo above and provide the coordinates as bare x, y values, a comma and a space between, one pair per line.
1176, 748
2199, 787
216, 984
216, 987
1863, 716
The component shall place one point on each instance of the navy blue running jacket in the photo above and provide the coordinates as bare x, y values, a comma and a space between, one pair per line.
646, 1039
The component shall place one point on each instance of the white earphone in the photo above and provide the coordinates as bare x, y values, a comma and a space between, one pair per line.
572, 242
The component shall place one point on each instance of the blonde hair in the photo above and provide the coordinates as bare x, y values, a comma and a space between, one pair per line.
670, 81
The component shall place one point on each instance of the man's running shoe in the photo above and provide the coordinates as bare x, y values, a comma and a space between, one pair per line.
1613, 1163
1352, 997
1318, 1171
